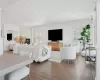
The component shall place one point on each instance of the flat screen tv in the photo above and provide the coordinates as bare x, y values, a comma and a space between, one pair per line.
55, 35
9, 36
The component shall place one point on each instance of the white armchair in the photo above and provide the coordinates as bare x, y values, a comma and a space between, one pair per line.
68, 53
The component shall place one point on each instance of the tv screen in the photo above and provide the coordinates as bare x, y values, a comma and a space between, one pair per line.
55, 35
9, 36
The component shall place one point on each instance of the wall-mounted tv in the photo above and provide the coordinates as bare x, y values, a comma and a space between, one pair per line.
55, 35
9, 36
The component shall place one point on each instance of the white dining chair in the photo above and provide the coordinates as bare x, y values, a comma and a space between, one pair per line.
68, 53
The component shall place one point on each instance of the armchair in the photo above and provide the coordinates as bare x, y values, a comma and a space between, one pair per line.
68, 53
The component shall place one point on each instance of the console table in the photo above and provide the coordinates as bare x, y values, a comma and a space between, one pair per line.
55, 45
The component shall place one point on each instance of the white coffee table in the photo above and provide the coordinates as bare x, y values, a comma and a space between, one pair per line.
10, 62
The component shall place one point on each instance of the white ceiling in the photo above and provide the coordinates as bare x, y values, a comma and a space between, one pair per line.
38, 12
7, 3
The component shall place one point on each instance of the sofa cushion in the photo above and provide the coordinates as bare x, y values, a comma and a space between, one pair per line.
23, 53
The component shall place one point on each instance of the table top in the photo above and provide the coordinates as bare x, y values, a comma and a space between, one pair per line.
10, 62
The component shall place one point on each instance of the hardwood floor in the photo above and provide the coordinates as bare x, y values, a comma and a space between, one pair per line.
61, 71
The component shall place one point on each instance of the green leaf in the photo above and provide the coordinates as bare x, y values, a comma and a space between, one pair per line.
84, 29
80, 38
82, 33
88, 26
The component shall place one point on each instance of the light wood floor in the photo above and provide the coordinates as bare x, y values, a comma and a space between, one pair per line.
61, 71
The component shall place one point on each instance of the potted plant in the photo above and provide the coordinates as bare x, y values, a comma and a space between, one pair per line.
85, 36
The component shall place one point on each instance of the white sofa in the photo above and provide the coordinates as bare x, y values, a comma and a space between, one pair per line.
40, 53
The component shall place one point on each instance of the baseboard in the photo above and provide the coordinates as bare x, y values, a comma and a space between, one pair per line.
58, 61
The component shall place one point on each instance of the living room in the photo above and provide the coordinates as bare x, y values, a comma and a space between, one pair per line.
39, 34
55, 34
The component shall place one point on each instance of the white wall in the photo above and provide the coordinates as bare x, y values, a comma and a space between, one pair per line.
7, 28
69, 29
97, 33
26, 32
1, 39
